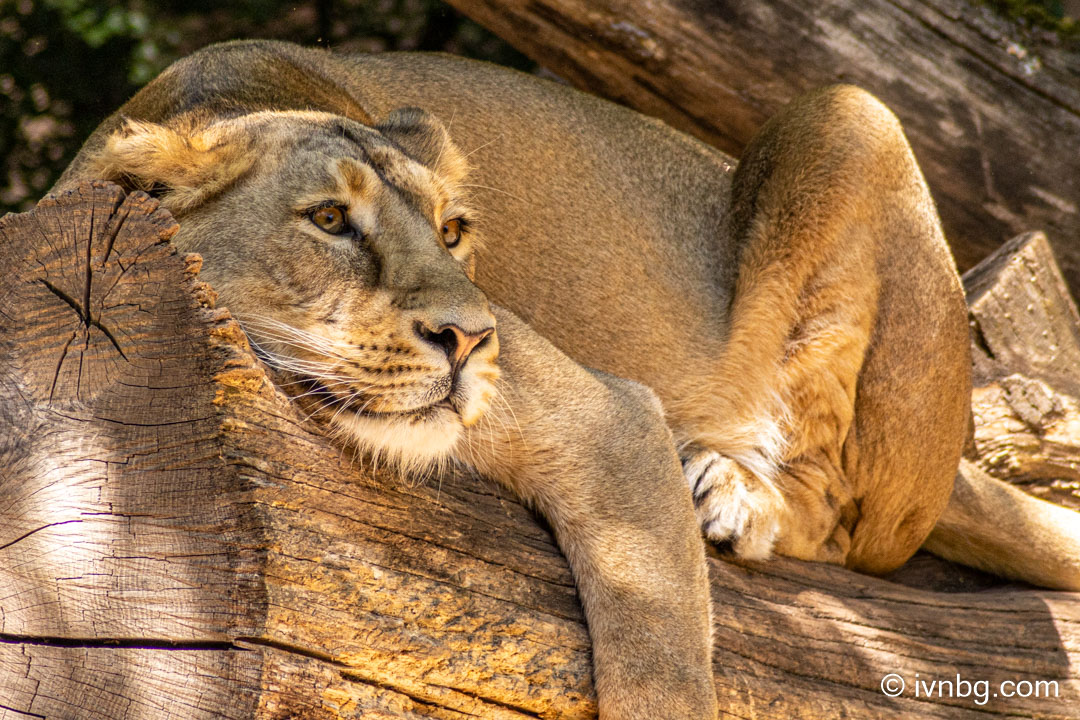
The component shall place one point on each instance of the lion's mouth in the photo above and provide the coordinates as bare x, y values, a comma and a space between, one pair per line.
327, 400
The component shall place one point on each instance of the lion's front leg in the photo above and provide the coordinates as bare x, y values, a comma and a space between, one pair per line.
593, 454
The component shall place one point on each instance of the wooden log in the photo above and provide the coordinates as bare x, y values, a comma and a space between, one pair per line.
988, 116
1022, 317
1026, 349
176, 542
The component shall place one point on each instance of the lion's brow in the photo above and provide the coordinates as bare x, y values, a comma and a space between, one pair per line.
351, 173
364, 143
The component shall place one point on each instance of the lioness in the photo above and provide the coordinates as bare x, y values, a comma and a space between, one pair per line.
800, 317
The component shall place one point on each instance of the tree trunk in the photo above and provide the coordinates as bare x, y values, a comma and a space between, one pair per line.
176, 542
993, 122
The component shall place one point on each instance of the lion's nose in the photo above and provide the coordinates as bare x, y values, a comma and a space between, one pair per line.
455, 342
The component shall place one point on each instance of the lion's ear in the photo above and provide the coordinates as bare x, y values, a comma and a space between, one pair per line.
184, 163
424, 138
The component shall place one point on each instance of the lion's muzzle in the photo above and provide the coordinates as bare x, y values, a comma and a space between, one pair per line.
456, 342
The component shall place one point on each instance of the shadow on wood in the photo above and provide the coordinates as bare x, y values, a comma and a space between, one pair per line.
176, 542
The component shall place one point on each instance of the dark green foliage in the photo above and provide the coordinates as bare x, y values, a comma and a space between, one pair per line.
66, 64
1058, 16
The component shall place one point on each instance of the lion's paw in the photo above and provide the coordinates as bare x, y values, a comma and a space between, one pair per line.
735, 509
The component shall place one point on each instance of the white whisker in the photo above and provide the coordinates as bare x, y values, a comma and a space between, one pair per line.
488, 187
481, 147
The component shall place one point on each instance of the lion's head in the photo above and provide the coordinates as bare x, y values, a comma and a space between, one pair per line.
346, 253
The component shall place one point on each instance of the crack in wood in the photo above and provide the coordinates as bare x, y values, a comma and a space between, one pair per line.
120, 643
125, 423
289, 648
108, 333
350, 673
481, 698
978, 338
121, 211
60, 364
355, 678
66, 298
89, 264
27, 713
84, 315
5, 546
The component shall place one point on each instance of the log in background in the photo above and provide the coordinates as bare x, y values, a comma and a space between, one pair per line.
994, 122
175, 542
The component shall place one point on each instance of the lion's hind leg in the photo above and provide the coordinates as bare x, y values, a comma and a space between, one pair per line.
819, 199
772, 473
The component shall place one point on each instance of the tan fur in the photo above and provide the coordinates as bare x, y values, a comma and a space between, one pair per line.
800, 319
972, 532
194, 158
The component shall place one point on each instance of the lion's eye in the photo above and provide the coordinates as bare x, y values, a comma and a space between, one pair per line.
451, 232
331, 219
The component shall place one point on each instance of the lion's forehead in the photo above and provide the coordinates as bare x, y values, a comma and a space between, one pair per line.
336, 155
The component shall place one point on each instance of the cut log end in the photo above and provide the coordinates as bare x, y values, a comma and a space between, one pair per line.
1026, 348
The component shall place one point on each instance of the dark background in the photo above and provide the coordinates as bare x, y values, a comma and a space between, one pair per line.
66, 64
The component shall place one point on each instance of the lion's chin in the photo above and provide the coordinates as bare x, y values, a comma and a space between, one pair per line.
425, 439
412, 442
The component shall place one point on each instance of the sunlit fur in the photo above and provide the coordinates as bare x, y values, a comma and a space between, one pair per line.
419, 443
195, 159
